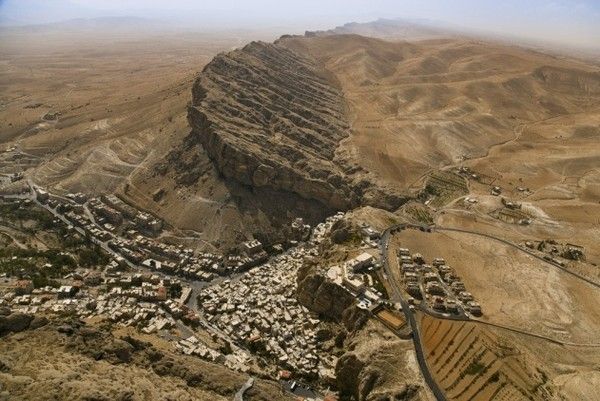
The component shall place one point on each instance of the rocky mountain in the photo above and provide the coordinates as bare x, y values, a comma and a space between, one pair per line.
272, 118
301, 127
331, 122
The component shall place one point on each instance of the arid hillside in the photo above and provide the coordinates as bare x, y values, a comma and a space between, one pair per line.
520, 120
424, 105
318, 122
72, 360
96, 112
243, 151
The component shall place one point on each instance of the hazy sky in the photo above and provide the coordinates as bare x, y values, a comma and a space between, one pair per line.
569, 22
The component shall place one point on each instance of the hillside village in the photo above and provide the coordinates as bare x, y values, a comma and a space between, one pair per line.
246, 300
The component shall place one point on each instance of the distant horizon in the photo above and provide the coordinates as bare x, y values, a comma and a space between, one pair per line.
562, 23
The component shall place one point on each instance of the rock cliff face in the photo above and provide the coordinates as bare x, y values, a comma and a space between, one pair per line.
271, 118
360, 381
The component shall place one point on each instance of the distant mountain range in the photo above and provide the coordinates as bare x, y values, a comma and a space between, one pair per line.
405, 29
423, 29
90, 25
387, 29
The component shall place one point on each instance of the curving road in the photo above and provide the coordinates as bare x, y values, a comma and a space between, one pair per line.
397, 296
410, 318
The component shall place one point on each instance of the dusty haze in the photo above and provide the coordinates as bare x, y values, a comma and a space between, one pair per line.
565, 23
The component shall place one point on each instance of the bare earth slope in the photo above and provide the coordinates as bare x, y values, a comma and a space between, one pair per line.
92, 363
424, 105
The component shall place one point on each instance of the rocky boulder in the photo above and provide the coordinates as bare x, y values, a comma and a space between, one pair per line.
119, 349
347, 371
37, 322
354, 318
360, 381
14, 323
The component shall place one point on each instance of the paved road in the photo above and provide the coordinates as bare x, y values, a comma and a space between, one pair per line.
410, 318
396, 285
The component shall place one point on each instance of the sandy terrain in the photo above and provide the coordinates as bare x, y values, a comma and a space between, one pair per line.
513, 288
122, 101
104, 115
521, 118
427, 104
414, 107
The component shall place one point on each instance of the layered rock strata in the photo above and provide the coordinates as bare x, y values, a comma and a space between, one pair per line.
271, 118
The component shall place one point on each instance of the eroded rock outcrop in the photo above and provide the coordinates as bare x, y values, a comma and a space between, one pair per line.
358, 380
270, 117
14, 322
324, 297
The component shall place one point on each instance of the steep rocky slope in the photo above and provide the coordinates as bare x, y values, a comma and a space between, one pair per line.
378, 366
71, 360
271, 118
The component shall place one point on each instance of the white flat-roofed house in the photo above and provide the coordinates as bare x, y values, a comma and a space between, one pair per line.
360, 262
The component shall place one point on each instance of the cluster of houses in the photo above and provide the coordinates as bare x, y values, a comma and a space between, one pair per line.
261, 307
106, 214
138, 299
192, 346
109, 213
259, 310
352, 275
170, 259
203, 266
237, 359
437, 284
123, 310
466, 172
557, 253
120, 210
81, 220
13, 160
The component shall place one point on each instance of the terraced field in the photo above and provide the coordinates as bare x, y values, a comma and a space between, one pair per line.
444, 186
472, 363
